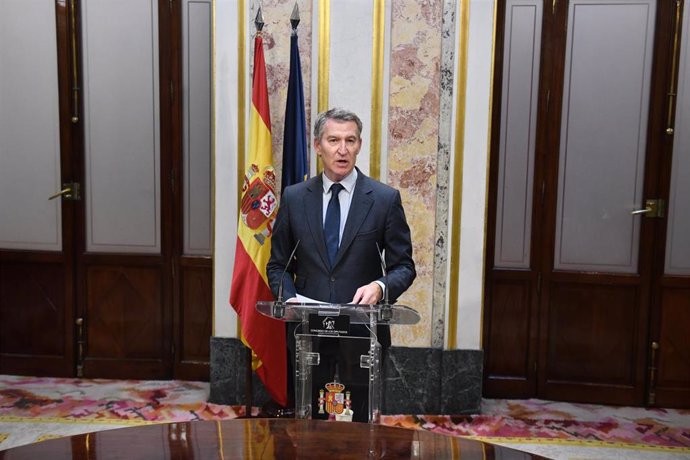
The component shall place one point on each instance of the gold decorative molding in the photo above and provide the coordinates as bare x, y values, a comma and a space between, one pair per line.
379, 31
324, 54
456, 195
241, 99
324, 63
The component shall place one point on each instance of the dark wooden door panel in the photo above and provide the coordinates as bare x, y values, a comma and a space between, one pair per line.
34, 319
671, 381
591, 334
591, 344
125, 323
509, 363
194, 320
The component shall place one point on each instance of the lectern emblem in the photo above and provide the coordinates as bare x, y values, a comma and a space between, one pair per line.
334, 399
329, 324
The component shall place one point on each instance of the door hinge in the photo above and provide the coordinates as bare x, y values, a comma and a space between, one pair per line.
172, 91
651, 395
652, 208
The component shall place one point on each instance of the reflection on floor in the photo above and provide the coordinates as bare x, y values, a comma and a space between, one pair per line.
33, 409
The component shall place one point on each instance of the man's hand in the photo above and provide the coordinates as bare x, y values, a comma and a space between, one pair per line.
369, 294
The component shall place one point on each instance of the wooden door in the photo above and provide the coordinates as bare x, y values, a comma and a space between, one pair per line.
126, 292
124, 256
581, 147
669, 344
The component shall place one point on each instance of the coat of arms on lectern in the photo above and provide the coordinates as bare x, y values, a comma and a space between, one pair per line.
335, 399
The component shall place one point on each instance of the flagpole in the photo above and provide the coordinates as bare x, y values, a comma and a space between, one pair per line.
249, 378
262, 336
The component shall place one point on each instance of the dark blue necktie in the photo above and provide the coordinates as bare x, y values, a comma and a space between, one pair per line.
331, 227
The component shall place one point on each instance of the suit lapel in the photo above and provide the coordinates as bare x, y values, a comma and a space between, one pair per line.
360, 207
313, 210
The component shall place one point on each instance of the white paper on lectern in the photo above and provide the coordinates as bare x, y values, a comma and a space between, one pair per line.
305, 299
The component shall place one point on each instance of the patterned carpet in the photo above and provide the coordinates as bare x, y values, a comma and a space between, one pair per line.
512, 422
122, 401
33, 409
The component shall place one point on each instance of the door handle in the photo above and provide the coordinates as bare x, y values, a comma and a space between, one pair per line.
70, 191
652, 208
641, 211
67, 192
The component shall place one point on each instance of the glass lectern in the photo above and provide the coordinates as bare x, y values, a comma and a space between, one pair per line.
333, 320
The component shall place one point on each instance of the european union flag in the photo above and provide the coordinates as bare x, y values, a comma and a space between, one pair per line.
295, 168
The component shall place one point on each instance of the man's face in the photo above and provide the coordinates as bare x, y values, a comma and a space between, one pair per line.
338, 148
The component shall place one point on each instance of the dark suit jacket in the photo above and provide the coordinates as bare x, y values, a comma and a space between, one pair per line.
376, 216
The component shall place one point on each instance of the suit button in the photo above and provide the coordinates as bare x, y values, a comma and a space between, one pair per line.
333, 279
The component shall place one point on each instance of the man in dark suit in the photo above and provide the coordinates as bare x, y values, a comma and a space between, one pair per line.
338, 260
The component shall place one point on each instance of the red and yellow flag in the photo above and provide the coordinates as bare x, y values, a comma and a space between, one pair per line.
259, 206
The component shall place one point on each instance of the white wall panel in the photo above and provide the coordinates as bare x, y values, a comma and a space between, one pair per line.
225, 159
350, 82
475, 159
196, 186
121, 127
603, 134
521, 57
29, 127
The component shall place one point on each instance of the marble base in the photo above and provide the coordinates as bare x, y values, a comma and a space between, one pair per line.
412, 381
228, 378
423, 381
415, 380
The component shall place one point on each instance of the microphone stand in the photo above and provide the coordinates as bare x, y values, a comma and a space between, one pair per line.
385, 313
279, 304
278, 311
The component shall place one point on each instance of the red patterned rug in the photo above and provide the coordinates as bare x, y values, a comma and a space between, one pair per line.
539, 421
33, 409
99, 400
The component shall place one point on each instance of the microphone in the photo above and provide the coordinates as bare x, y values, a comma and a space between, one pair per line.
386, 307
279, 304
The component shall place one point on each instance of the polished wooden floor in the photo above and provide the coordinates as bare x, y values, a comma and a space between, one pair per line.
262, 439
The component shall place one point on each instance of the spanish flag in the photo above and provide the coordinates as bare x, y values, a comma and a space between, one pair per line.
259, 206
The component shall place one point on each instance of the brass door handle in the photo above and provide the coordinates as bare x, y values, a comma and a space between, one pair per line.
67, 192
641, 211
652, 208
70, 191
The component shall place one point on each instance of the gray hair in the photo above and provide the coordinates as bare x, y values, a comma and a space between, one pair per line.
337, 114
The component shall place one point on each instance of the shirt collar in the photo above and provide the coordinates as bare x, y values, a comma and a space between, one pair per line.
348, 182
